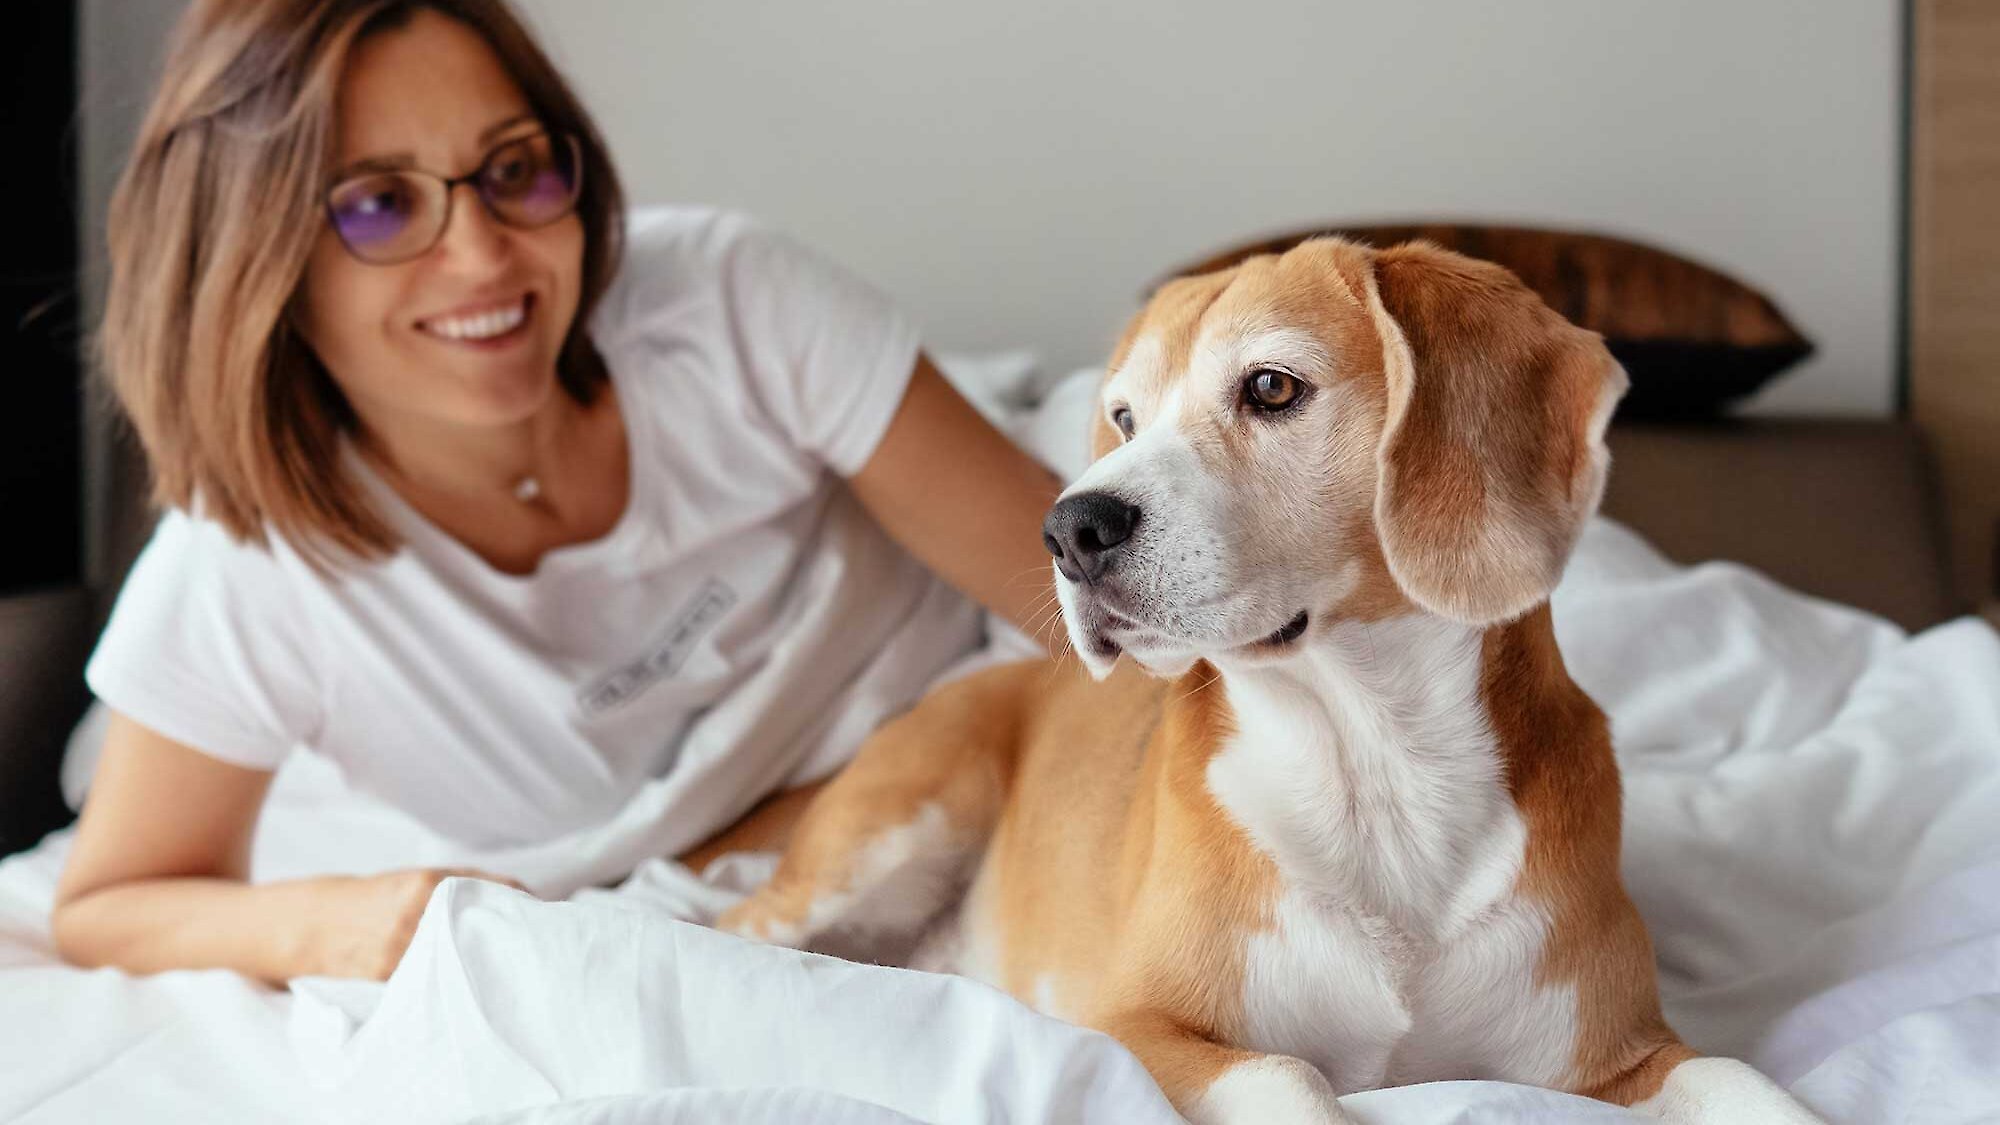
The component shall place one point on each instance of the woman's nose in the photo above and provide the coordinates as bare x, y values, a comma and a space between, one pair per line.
472, 237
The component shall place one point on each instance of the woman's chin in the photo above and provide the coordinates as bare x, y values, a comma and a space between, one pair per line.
508, 398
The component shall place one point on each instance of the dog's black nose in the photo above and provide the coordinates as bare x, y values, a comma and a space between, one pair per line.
1083, 533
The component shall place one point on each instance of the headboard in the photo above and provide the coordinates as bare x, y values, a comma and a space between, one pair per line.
1954, 282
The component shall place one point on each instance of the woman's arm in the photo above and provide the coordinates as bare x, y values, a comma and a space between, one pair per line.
155, 878
967, 502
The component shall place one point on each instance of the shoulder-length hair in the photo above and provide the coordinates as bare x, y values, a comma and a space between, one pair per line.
210, 230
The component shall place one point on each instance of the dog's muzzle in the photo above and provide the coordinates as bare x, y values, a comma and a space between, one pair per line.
1084, 533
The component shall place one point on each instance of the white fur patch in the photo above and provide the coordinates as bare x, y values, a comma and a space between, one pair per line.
1140, 375
1711, 1091
967, 940
899, 880
1326, 985
1273, 1090
1398, 951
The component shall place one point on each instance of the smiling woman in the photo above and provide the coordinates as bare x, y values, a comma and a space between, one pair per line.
444, 362
238, 157
570, 533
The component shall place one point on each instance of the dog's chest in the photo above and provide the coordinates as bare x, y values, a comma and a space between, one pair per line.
1397, 948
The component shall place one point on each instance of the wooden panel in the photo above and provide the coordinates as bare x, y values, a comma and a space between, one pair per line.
1955, 272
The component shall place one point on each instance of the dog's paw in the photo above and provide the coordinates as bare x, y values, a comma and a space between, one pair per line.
1277, 1089
760, 919
1719, 1091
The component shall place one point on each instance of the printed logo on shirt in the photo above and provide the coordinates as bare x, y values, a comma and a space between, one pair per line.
667, 654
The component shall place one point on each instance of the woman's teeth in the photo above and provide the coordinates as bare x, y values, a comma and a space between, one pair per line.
483, 326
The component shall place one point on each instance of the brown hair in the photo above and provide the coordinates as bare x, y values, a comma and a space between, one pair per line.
210, 231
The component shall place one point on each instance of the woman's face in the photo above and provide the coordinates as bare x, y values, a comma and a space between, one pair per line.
414, 345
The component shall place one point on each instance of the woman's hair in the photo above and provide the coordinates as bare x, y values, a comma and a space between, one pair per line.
210, 231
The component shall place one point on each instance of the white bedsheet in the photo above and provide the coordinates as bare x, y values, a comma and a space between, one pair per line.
1812, 831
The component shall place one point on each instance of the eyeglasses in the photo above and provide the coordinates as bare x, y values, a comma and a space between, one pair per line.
388, 217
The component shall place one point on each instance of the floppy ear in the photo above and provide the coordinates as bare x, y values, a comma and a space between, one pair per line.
1492, 453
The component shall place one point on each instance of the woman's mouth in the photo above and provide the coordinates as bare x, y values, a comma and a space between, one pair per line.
495, 325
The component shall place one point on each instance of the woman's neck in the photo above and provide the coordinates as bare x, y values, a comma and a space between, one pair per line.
434, 459
469, 483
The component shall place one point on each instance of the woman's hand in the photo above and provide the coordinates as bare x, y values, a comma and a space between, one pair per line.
156, 878
365, 923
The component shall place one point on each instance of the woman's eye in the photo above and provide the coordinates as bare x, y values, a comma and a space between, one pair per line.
1268, 388
1122, 418
512, 173
516, 167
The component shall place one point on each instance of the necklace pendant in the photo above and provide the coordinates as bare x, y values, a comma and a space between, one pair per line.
527, 489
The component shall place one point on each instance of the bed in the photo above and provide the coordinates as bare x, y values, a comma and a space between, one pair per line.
1812, 795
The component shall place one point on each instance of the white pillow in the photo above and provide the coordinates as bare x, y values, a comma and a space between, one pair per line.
1057, 430
1000, 385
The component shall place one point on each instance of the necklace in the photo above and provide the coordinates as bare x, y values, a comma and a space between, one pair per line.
527, 489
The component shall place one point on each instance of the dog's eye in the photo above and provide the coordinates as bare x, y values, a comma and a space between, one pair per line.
1268, 388
1122, 418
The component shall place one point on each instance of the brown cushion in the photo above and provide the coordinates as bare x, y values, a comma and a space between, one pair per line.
1692, 338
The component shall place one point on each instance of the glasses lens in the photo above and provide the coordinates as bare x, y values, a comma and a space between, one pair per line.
382, 217
533, 181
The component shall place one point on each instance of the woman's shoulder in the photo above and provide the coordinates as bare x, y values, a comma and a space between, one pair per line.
689, 232
212, 642
193, 560
187, 540
680, 248
675, 256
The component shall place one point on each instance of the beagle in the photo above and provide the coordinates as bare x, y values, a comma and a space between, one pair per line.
1347, 823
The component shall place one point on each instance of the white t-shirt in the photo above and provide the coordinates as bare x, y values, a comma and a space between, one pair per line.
742, 627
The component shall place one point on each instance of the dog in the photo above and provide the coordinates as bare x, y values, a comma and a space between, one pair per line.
1341, 820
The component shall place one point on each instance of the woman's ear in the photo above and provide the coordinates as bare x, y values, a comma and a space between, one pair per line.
1492, 453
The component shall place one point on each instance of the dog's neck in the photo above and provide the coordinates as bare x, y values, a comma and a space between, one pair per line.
1367, 767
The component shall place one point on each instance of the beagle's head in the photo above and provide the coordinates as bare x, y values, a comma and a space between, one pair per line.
1334, 433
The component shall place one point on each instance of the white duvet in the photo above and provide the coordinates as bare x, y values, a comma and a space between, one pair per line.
1812, 832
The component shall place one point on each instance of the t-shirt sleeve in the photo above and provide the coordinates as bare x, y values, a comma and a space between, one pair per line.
207, 646
826, 354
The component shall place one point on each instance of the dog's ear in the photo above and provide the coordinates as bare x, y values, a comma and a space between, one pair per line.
1492, 453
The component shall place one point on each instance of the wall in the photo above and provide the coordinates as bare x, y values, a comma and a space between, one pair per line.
1014, 171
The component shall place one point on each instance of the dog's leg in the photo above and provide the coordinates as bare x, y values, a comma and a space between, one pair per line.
1676, 1085
765, 828
1211, 1084
884, 847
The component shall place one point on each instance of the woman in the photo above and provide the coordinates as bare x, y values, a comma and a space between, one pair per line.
552, 533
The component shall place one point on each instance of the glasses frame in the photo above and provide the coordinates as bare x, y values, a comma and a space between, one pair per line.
451, 186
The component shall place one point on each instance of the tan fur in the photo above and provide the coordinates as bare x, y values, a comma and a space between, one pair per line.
765, 828
957, 749
1563, 777
1487, 459
1111, 886
1129, 919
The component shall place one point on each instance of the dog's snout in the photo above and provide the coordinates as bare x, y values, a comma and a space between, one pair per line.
1083, 533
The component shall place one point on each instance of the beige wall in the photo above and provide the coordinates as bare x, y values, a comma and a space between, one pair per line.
1013, 169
